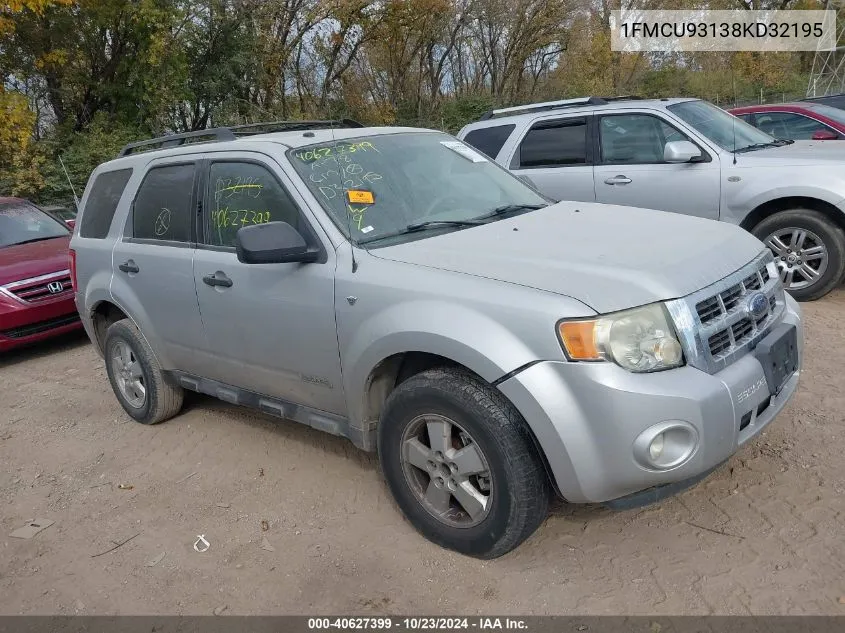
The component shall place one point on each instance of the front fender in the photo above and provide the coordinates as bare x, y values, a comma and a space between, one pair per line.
459, 333
760, 193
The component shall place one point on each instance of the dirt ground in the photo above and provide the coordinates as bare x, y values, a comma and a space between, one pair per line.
764, 535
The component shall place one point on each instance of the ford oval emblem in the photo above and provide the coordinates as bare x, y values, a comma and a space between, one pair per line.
757, 305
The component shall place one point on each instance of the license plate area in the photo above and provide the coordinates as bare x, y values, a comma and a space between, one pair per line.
778, 354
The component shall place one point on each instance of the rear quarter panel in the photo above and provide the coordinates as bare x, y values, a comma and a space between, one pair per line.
94, 259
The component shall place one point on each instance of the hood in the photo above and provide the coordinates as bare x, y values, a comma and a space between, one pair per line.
31, 260
798, 153
606, 256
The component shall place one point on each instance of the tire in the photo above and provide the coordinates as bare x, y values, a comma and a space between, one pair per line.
481, 421
776, 232
161, 400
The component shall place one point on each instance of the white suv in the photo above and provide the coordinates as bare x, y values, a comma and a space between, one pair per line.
686, 156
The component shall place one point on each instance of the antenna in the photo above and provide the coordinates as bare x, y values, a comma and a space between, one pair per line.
733, 123
75, 198
733, 126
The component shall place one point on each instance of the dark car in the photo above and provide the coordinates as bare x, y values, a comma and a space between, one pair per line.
65, 213
834, 101
796, 121
36, 293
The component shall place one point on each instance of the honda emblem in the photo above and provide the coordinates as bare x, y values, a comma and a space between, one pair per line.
55, 287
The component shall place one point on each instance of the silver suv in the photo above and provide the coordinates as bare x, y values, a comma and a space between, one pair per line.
685, 156
395, 287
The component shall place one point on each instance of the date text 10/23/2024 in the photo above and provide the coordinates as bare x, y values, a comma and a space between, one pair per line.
417, 623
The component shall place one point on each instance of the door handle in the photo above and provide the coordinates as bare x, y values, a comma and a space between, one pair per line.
618, 180
129, 267
218, 279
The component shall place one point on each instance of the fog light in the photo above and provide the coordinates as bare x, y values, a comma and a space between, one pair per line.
655, 449
666, 445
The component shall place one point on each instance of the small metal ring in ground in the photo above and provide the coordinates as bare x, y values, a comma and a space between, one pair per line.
446, 470
128, 375
800, 255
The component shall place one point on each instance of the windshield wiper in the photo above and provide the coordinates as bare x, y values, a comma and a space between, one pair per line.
431, 224
509, 208
776, 143
422, 226
36, 239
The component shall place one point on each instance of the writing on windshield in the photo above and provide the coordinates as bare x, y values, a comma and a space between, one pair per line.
377, 186
337, 169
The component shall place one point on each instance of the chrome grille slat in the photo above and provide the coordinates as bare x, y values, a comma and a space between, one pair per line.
712, 342
36, 289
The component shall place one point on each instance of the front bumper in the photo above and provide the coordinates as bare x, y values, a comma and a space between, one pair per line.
587, 416
23, 324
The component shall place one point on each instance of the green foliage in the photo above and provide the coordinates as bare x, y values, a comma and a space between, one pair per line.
83, 77
459, 111
81, 152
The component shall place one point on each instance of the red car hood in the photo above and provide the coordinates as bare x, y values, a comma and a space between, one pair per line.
31, 260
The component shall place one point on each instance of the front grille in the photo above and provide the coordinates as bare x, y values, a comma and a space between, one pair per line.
716, 323
40, 289
741, 329
718, 343
41, 326
723, 303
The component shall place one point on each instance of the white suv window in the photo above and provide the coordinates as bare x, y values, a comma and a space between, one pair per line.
629, 139
554, 143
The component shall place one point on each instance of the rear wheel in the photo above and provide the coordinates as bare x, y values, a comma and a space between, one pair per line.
136, 377
809, 251
461, 463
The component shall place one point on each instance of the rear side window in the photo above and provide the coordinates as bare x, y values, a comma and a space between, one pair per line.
555, 143
163, 205
102, 203
489, 139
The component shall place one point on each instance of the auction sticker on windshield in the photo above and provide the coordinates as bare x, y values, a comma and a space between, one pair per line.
464, 150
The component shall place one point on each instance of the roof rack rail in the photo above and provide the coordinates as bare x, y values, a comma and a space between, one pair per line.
231, 133
623, 98
552, 105
288, 126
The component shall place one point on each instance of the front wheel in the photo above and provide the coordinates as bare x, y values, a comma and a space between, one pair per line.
809, 251
461, 463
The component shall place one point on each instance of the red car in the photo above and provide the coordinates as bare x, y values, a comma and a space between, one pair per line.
36, 294
796, 121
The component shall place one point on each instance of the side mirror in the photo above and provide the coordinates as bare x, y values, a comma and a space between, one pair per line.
272, 243
825, 135
680, 152
71, 223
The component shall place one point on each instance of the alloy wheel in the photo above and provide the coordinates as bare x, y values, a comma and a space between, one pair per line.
800, 255
447, 471
128, 374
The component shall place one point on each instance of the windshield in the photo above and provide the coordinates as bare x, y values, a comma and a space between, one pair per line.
834, 114
378, 186
726, 130
21, 222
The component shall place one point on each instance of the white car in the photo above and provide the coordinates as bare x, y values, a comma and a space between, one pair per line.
686, 156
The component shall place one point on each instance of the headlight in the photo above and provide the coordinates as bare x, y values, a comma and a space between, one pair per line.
639, 340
